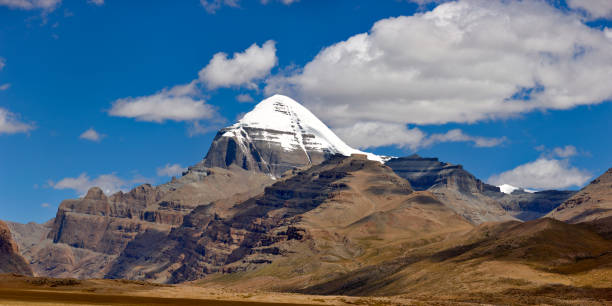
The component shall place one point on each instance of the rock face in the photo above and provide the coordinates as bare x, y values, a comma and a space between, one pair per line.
276, 136
11, 260
328, 214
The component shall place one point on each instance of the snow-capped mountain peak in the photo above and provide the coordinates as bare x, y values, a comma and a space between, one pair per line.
299, 128
277, 135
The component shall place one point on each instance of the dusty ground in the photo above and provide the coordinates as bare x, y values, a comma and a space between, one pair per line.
18, 290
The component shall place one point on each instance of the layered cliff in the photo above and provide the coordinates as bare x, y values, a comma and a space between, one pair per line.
328, 217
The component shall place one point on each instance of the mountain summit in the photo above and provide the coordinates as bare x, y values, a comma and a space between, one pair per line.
279, 134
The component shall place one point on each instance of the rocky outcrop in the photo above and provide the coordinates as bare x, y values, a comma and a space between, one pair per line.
11, 260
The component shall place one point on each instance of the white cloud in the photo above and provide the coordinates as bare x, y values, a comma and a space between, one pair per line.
96, 2
212, 6
10, 124
465, 61
285, 2
242, 69
31, 4
171, 170
45, 205
179, 103
376, 134
594, 8
244, 98
5, 86
543, 173
565, 152
457, 135
92, 135
109, 183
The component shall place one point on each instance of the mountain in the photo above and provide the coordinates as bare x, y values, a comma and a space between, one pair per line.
317, 222
453, 185
88, 234
592, 205
11, 260
477, 201
279, 134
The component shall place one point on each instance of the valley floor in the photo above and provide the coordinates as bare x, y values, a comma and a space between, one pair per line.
18, 290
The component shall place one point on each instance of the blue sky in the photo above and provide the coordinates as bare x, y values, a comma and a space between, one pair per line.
66, 67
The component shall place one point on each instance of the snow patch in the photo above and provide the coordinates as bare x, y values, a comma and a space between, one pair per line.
507, 189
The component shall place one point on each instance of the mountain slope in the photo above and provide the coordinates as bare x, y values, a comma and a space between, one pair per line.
594, 201
488, 261
279, 134
592, 204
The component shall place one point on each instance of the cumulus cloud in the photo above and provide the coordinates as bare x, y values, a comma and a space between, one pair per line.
180, 103
465, 61
109, 183
31, 4
376, 134
171, 170
244, 98
595, 9
5, 86
96, 2
184, 102
92, 135
242, 69
10, 123
544, 173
